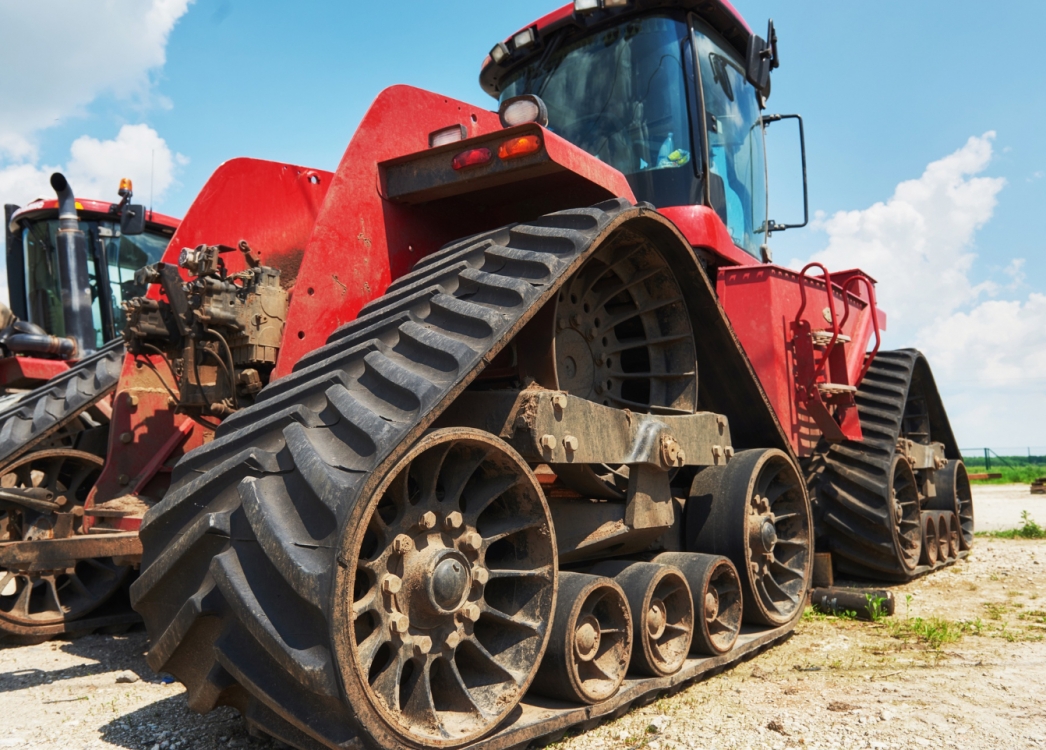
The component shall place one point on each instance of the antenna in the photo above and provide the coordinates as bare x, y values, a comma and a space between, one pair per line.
152, 173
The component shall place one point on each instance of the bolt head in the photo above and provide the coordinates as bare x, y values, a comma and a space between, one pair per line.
123, 479
453, 639
548, 442
591, 333
471, 612
422, 645
559, 401
480, 575
575, 320
472, 541
570, 443
453, 521
402, 544
391, 584
399, 623
427, 520
126, 437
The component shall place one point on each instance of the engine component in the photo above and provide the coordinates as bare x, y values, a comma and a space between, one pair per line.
219, 333
590, 643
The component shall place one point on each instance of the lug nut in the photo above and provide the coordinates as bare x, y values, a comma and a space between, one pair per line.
399, 623
453, 521
548, 442
453, 639
471, 612
575, 320
391, 584
592, 333
559, 401
427, 521
471, 541
402, 544
422, 645
570, 443
480, 576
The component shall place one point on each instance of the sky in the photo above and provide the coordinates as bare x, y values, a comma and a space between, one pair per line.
923, 130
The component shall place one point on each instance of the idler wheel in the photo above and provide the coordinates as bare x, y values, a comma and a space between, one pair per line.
591, 643
943, 547
662, 613
446, 589
955, 494
716, 588
903, 509
930, 546
755, 512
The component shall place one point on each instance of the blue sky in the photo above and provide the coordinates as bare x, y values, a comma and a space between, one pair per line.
886, 89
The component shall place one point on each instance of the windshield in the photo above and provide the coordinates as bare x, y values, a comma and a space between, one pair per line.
124, 256
622, 96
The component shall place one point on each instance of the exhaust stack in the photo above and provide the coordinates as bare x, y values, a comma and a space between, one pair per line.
72, 267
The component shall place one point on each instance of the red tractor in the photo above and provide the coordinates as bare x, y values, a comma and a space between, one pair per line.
438, 449
70, 266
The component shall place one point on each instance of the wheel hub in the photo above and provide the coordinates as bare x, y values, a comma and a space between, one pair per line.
768, 535
449, 583
657, 619
586, 638
711, 605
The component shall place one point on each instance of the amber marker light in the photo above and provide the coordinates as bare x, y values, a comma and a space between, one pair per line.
521, 146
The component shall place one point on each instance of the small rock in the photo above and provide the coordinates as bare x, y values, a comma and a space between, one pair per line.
126, 677
658, 724
885, 715
776, 726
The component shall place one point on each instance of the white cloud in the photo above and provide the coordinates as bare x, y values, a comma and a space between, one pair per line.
60, 55
95, 167
988, 355
917, 245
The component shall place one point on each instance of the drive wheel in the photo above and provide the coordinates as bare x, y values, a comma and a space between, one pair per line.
755, 511
449, 583
37, 597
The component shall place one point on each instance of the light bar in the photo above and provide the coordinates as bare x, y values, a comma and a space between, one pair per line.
524, 38
443, 136
499, 53
615, 3
585, 6
520, 110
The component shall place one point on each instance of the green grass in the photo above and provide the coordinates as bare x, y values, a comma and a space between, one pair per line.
933, 631
1029, 530
1020, 470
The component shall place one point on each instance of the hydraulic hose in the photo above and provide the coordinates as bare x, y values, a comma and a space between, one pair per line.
41, 343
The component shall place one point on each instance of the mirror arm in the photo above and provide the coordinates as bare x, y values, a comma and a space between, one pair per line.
773, 226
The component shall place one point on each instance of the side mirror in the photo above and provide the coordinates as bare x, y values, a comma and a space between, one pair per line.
132, 219
773, 226
761, 59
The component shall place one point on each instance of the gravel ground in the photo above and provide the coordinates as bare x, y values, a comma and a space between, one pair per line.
835, 684
998, 507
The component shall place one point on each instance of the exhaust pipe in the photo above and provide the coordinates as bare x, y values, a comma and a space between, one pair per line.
72, 269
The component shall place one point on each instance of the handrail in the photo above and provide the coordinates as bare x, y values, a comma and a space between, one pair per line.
819, 369
875, 321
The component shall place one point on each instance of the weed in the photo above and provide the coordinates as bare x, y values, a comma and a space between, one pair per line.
876, 610
934, 631
995, 610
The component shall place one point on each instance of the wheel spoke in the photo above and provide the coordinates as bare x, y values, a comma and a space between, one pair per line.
498, 615
508, 528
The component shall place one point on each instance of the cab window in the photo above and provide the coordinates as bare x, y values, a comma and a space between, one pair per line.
736, 153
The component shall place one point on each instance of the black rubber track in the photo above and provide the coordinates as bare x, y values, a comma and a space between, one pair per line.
45, 410
240, 555
852, 485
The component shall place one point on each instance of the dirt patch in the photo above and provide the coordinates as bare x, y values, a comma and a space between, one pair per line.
962, 664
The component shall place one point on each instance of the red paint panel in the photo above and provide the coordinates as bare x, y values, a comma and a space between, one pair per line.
86, 205
271, 205
28, 372
761, 302
703, 228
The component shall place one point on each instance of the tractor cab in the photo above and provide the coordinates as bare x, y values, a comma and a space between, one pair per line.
669, 98
112, 255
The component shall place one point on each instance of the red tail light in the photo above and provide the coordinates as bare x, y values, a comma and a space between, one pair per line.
472, 158
521, 146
